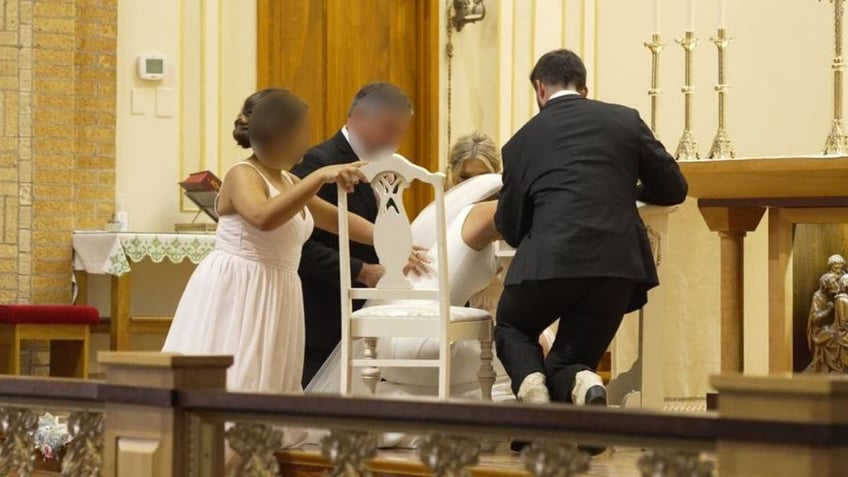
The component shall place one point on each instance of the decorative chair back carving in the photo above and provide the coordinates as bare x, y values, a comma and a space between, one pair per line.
390, 177
398, 316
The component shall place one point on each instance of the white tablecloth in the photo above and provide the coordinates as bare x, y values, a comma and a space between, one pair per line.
110, 253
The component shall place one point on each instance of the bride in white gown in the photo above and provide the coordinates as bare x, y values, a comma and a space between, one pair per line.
472, 267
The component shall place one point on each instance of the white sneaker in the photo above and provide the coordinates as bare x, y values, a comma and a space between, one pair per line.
534, 390
588, 390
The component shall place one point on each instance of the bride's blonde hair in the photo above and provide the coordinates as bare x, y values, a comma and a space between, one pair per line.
475, 146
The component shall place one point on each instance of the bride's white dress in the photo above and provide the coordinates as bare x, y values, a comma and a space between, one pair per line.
469, 272
244, 299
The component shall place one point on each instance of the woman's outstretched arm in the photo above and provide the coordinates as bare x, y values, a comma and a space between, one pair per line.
247, 193
326, 216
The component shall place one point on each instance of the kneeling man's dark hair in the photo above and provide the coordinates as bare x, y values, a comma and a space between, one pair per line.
560, 68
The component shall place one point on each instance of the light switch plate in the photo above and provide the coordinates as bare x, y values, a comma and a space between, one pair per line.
166, 102
141, 101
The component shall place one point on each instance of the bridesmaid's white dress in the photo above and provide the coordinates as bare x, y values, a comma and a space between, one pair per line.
245, 300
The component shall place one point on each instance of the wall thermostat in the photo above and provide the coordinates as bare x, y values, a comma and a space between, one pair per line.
151, 67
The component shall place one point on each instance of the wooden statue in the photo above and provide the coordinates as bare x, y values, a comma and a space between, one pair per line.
827, 326
836, 264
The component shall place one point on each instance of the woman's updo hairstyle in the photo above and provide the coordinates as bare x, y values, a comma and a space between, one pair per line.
474, 146
266, 115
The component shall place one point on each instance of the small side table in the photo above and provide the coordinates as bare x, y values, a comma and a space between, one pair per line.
111, 253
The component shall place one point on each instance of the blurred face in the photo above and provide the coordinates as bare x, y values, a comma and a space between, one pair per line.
300, 140
289, 149
380, 131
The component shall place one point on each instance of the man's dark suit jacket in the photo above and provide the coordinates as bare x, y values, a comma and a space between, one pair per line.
568, 201
319, 262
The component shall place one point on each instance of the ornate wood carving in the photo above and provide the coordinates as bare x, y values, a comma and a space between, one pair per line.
83, 455
17, 452
554, 459
349, 452
449, 456
674, 463
255, 445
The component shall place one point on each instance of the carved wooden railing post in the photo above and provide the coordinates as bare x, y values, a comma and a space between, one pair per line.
552, 459
802, 400
84, 457
254, 446
349, 452
16, 452
674, 463
145, 436
449, 456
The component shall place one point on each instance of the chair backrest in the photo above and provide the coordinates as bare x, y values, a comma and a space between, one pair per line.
389, 177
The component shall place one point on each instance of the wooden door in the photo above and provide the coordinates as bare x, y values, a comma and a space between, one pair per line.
325, 50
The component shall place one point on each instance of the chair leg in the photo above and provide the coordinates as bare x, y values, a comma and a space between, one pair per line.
10, 351
444, 370
486, 375
370, 375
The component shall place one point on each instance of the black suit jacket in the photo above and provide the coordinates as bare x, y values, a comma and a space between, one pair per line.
568, 201
319, 262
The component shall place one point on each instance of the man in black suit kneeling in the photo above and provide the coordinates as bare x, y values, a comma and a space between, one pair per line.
572, 176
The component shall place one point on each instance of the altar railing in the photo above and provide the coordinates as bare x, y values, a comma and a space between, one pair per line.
164, 415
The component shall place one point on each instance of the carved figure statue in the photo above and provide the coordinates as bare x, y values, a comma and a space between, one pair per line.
836, 264
821, 326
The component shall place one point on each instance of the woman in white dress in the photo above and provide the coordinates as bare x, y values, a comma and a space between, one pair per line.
244, 299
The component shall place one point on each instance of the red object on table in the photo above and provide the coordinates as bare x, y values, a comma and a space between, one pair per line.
201, 181
49, 315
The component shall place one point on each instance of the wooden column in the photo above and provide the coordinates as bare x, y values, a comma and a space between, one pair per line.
815, 401
780, 340
145, 436
732, 224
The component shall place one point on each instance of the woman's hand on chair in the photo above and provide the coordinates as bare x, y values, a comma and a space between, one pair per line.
347, 175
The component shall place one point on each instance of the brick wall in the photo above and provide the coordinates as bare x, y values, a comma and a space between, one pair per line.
72, 168
57, 142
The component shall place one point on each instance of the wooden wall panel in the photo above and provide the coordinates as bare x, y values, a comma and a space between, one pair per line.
369, 40
292, 53
325, 50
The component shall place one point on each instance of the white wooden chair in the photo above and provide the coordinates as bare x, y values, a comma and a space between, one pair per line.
428, 313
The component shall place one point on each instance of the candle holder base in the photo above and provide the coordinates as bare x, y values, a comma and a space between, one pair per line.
722, 147
837, 140
687, 149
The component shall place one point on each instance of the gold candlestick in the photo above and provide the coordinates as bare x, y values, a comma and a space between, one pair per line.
687, 149
722, 148
656, 46
837, 141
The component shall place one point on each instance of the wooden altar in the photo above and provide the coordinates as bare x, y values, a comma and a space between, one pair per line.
733, 195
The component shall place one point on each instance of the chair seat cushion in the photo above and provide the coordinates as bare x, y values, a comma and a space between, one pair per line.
49, 315
422, 310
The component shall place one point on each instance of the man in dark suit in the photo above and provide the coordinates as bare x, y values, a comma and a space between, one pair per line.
572, 176
377, 121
